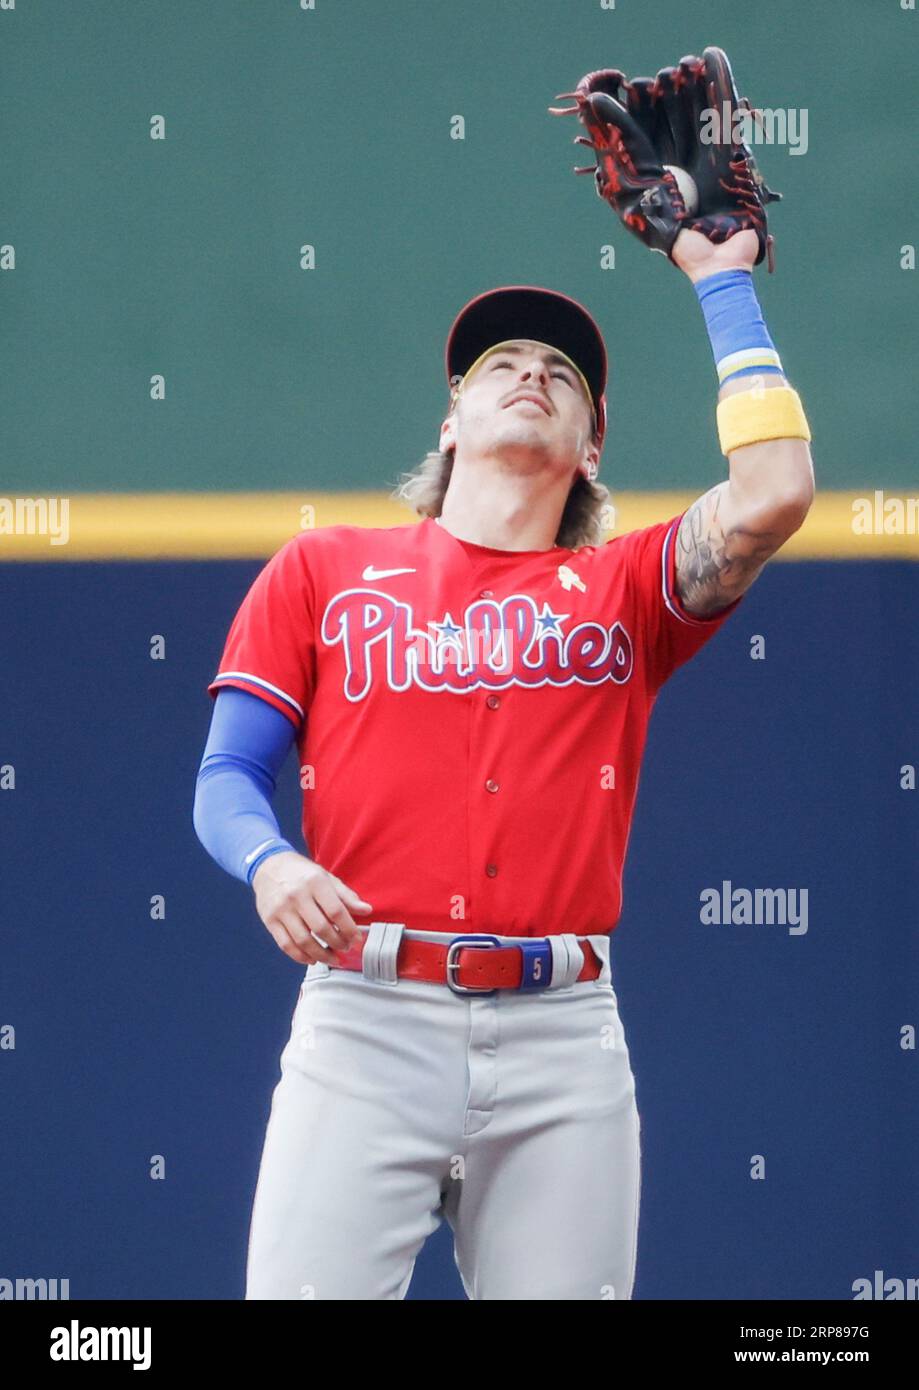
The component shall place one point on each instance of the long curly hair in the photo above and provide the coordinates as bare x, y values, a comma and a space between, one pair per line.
583, 521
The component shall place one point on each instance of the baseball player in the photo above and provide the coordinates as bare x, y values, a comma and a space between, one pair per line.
469, 696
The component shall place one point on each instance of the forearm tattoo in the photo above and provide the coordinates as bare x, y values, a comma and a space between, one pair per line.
714, 566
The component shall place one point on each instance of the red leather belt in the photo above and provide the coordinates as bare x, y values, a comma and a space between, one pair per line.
476, 964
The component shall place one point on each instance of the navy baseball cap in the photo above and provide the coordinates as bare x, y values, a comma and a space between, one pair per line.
544, 316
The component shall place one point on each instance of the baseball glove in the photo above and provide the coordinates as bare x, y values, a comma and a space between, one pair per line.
647, 134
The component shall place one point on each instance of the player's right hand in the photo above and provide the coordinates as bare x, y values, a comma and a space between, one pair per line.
299, 901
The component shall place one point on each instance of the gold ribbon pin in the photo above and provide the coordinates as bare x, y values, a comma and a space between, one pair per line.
569, 580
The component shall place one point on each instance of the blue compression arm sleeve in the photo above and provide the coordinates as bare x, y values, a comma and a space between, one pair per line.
247, 745
737, 331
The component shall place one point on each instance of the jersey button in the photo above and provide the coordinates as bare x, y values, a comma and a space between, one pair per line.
487, 593
491, 785
491, 870
493, 701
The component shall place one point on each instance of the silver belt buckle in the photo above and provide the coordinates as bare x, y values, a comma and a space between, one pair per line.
485, 943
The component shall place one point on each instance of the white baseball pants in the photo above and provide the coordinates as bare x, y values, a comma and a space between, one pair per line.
513, 1116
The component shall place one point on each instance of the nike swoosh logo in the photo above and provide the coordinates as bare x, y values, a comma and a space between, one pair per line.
370, 573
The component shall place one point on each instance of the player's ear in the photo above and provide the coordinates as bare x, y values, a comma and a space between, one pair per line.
448, 428
589, 465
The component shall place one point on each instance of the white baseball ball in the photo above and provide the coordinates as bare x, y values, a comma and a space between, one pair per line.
687, 186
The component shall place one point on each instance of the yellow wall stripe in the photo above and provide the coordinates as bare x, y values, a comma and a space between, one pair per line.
240, 525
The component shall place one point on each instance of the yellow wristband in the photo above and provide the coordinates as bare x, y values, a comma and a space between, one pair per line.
748, 417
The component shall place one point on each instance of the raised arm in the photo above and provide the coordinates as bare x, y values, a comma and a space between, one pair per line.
728, 534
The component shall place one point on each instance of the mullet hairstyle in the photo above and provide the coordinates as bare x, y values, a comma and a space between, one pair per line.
583, 519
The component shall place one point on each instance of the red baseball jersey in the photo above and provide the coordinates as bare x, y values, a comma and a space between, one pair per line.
470, 721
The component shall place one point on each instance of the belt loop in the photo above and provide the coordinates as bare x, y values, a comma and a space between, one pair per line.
381, 949
567, 959
600, 945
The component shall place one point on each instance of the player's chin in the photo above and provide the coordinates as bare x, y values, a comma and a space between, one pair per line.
550, 447
526, 434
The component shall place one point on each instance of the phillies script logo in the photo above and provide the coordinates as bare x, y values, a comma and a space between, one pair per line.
496, 644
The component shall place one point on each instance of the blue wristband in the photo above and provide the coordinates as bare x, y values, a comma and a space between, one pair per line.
741, 345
